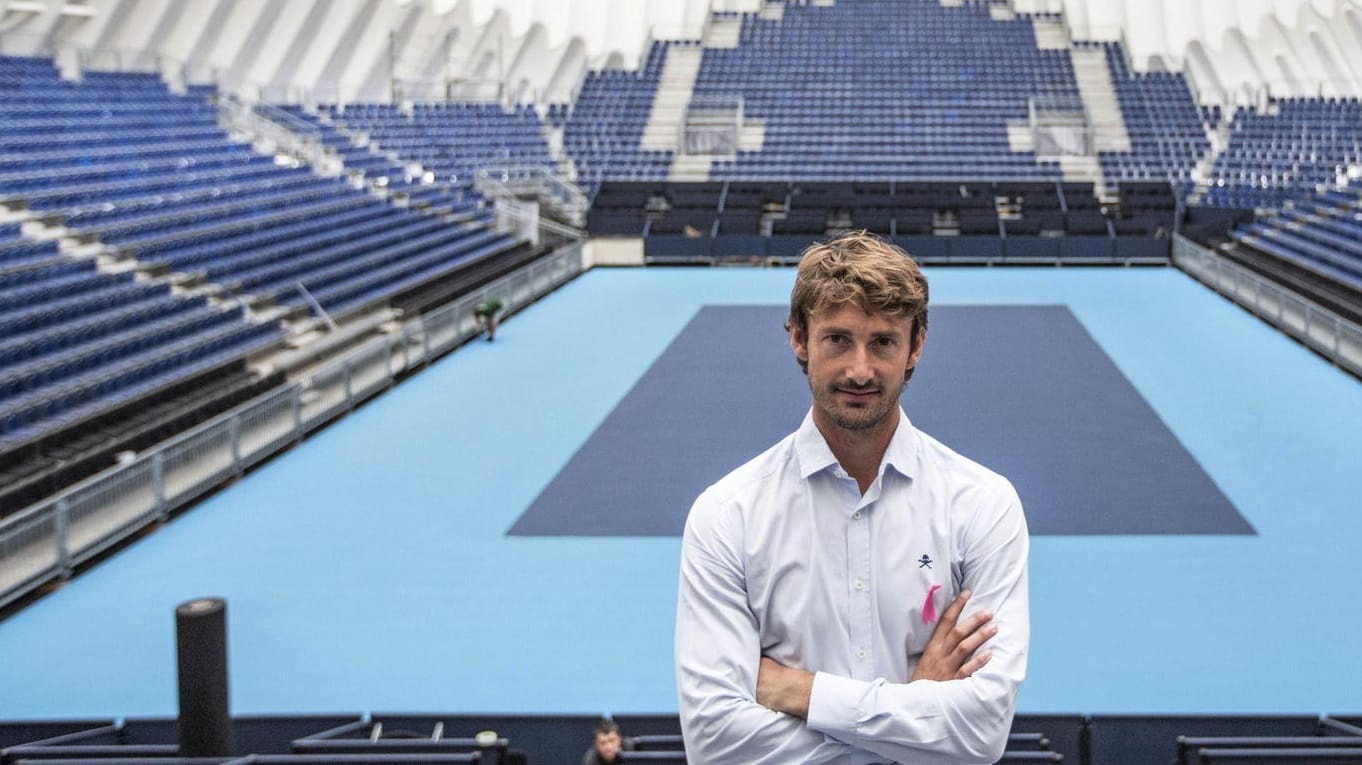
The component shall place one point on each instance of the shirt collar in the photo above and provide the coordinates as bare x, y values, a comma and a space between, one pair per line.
814, 454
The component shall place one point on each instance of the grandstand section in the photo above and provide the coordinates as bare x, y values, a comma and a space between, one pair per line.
380, 170
169, 253
926, 93
87, 341
980, 222
1166, 129
451, 140
1313, 243
1291, 147
603, 128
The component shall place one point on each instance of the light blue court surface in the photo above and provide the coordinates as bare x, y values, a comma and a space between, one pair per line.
369, 569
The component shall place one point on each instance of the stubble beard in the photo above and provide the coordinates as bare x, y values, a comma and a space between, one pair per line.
856, 419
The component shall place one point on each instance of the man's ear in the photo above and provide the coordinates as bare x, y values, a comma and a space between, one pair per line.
799, 344
919, 341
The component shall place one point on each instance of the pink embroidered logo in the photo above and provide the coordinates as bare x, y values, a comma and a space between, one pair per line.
929, 606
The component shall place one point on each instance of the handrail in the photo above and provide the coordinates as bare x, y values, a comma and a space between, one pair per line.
235, 114
1319, 328
438, 89
1067, 113
234, 82
288, 120
496, 181
553, 184
711, 125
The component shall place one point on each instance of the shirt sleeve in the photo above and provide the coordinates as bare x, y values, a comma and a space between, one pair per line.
958, 720
718, 654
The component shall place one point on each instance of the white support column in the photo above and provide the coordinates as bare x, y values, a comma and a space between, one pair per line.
324, 44
370, 48
236, 28
279, 40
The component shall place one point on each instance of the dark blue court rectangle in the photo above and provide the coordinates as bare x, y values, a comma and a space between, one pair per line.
1023, 390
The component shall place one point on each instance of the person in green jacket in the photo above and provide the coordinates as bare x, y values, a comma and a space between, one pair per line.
486, 313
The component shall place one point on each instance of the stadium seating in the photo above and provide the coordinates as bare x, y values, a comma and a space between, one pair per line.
979, 221
16, 252
1167, 130
380, 169
103, 355
80, 341
452, 139
1294, 147
603, 129
925, 93
1318, 238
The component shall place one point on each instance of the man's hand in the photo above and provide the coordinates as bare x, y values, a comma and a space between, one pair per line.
784, 689
949, 654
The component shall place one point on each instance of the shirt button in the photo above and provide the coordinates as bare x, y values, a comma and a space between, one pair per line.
840, 473
860, 654
856, 516
860, 585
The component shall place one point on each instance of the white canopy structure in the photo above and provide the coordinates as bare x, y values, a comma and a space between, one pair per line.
539, 50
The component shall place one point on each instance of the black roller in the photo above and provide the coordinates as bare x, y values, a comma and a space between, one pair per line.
201, 648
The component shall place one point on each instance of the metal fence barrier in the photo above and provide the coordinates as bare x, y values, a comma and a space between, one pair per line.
1324, 331
48, 540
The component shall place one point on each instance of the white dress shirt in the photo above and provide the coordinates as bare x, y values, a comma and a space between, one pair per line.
784, 557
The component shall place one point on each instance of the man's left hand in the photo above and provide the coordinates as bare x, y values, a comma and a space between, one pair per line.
784, 689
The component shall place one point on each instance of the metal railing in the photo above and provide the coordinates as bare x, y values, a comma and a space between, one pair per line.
263, 124
712, 125
1324, 331
1060, 126
426, 89
309, 96
1037, 6
542, 182
48, 540
288, 120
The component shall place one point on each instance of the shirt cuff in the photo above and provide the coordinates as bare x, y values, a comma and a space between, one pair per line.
834, 706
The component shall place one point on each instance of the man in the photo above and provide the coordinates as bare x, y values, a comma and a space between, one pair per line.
606, 749
486, 314
858, 592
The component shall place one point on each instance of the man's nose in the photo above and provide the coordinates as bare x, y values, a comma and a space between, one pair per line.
861, 371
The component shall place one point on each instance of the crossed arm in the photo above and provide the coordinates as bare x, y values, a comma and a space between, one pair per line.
950, 655
738, 706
